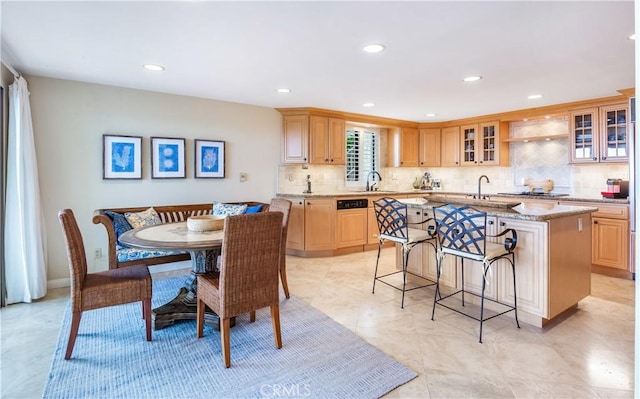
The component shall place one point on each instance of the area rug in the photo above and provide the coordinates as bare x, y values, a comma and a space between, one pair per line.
319, 359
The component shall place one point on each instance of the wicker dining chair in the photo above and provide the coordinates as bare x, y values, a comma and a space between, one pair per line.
98, 290
248, 277
284, 206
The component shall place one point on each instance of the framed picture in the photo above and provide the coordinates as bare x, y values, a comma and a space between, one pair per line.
167, 158
121, 157
209, 159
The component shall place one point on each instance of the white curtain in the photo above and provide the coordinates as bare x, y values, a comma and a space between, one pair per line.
25, 237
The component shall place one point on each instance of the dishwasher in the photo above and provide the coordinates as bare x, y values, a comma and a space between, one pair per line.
351, 222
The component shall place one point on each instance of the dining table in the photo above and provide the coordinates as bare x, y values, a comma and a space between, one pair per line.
204, 248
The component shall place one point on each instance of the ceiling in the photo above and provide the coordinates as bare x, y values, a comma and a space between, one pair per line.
243, 51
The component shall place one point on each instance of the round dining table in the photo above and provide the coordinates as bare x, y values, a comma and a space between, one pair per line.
204, 248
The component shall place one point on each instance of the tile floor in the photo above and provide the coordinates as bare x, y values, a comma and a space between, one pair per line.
588, 354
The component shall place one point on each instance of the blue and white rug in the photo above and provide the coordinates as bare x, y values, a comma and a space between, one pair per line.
319, 358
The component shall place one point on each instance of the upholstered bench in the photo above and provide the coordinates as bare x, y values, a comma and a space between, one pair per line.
115, 222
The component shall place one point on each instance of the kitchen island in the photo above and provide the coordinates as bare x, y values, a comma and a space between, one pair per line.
553, 256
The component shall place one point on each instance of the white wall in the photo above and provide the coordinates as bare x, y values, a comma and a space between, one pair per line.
69, 119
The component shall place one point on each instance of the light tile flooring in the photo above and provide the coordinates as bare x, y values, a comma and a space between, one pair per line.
587, 354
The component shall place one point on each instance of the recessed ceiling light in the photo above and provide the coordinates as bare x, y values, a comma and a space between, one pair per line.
373, 48
368, 104
632, 37
472, 78
431, 115
153, 67
526, 141
283, 90
547, 117
534, 96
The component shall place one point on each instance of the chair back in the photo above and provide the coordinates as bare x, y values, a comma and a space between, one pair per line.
284, 206
75, 253
250, 262
461, 230
391, 216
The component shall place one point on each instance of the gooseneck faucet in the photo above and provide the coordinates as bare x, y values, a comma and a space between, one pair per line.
480, 185
372, 173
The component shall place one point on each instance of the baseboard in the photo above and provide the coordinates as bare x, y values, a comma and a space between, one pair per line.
59, 283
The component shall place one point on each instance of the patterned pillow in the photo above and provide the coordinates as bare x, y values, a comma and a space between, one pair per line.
120, 224
253, 209
144, 218
220, 209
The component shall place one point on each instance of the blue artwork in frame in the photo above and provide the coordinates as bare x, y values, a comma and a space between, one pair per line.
209, 159
167, 158
121, 157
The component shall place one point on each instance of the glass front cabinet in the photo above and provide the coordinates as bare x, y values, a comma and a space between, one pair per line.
599, 134
481, 144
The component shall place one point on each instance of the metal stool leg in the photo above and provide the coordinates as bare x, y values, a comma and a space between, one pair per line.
375, 274
437, 293
405, 263
515, 296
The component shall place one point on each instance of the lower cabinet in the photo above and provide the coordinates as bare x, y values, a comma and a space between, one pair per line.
319, 224
351, 227
295, 232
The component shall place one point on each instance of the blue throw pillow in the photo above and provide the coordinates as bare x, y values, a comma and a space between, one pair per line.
120, 223
253, 209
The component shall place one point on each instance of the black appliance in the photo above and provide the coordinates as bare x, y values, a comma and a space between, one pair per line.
352, 203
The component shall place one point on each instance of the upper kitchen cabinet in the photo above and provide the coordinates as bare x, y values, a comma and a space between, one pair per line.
313, 139
482, 145
429, 150
327, 141
599, 134
403, 147
296, 139
450, 146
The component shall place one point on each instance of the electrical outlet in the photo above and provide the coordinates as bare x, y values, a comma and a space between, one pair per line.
243, 176
291, 177
97, 253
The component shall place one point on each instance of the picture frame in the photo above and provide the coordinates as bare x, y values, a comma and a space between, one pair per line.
209, 159
168, 158
121, 157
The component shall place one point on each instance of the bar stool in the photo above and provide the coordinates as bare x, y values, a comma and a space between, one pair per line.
391, 216
462, 232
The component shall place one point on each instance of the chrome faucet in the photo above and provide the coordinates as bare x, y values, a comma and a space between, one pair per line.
374, 173
480, 185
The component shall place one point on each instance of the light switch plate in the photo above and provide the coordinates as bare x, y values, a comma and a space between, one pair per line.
243, 176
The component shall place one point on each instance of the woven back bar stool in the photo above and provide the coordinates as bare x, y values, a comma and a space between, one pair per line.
461, 232
391, 216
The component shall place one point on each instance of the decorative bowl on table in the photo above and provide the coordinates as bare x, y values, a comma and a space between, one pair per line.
205, 223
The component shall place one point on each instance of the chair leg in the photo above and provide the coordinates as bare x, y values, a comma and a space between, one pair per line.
283, 278
515, 296
146, 306
437, 293
275, 321
462, 278
200, 307
252, 316
225, 326
75, 324
484, 284
405, 262
375, 274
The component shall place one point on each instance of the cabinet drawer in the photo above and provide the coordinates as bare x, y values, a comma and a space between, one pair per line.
612, 212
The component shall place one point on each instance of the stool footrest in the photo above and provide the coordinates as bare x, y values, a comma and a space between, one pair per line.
510, 307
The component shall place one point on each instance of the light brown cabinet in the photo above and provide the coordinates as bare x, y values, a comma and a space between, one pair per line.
481, 145
313, 139
403, 147
295, 232
450, 146
295, 142
599, 134
351, 227
319, 224
327, 140
429, 150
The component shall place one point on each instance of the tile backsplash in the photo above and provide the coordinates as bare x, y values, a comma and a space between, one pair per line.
535, 159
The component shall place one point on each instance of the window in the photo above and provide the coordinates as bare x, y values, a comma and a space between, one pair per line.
362, 154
